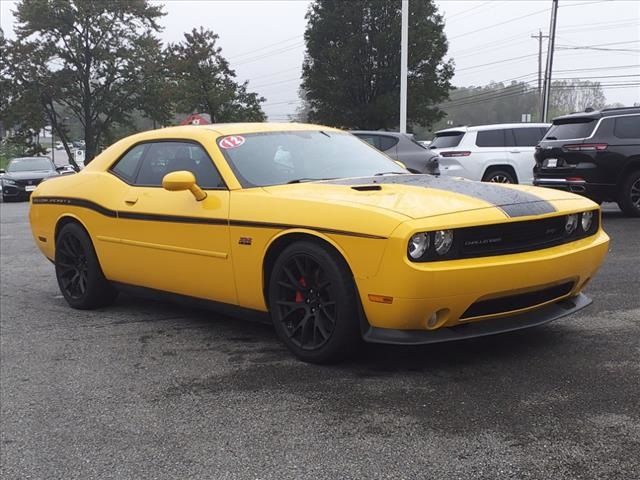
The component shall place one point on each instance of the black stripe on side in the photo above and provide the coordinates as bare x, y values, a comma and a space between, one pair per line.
78, 202
284, 226
513, 202
155, 217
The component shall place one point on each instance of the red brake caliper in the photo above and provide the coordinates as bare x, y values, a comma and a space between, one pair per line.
299, 297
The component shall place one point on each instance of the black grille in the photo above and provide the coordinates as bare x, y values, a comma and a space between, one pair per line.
28, 182
517, 302
516, 237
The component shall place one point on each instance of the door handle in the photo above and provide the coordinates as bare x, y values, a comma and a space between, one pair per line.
514, 151
131, 200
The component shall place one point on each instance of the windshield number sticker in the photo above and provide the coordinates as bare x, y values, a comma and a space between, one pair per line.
233, 141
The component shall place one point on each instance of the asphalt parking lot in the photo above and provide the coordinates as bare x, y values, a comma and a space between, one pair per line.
146, 390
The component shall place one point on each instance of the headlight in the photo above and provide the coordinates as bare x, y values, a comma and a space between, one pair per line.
8, 181
443, 239
418, 244
587, 221
571, 223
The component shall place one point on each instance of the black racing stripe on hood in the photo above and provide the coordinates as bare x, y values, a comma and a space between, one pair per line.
513, 202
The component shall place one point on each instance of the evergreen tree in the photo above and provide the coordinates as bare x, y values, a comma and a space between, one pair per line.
351, 72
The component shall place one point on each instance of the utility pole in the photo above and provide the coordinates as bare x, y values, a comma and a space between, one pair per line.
548, 71
404, 45
539, 37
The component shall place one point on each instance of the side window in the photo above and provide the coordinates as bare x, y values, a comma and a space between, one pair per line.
387, 142
167, 157
527, 137
127, 166
627, 127
491, 138
372, 140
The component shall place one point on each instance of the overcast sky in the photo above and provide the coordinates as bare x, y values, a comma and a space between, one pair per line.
489, 41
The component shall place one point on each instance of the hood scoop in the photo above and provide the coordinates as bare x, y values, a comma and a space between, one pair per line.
366, 188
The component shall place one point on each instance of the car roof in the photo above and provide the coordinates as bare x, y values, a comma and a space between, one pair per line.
29, 158
243, 128
605, 112
479, 128
377, 132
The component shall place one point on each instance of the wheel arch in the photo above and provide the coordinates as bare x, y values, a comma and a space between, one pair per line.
501, 166
64, 220
631, 165
283, 240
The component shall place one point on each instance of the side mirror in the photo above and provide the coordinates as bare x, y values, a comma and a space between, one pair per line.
183, 180
400, 164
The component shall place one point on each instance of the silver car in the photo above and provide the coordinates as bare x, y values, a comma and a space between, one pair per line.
402, 147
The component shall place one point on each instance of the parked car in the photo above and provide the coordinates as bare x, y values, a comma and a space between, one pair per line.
596, 154
23, 175
308, 227
59, 145
501, 153
404, 148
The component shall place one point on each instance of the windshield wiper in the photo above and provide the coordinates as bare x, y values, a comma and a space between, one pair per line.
303, 180
551, 138
390, 173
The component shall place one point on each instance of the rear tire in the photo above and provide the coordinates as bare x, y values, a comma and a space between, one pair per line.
629, 201
313, 303
78, 271
499, 175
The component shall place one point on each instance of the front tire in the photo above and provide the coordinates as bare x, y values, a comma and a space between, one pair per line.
629, 201
313, 303
78, 271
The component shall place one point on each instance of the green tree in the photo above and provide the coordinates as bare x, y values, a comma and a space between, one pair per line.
351, 71
206, 83
87, 58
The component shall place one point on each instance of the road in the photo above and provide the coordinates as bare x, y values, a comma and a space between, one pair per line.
145, 390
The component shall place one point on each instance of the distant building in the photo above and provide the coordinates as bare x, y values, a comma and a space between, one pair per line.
197, 119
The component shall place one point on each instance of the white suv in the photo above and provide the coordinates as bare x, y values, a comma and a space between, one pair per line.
500, 153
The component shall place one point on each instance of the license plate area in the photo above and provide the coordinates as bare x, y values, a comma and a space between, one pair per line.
551, 163
29, 188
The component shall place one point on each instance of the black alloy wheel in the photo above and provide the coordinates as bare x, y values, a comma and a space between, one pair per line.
629, 201
79, 275
313, 303
73, 270
499, 176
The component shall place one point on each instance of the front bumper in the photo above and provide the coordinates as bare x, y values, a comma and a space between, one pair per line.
521, 321
429, 297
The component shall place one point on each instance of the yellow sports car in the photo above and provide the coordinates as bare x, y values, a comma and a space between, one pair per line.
333, 239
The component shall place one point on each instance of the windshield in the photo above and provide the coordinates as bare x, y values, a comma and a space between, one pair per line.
29, 164
275, 158
446, 140
579, 128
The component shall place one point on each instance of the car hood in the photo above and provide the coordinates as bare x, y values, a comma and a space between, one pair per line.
421, 196
31, 175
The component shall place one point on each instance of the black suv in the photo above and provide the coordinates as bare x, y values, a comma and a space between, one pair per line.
596, 154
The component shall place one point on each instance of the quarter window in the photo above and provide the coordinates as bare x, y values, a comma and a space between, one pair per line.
627, 127
127, 166
387, 142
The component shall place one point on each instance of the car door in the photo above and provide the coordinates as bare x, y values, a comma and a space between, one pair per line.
493, 151
168, 240
525, 139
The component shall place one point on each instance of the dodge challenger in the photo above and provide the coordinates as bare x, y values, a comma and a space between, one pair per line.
317, 231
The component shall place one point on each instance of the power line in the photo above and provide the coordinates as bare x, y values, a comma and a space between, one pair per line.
266, 47
499, 24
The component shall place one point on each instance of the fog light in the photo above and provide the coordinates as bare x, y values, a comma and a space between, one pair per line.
571, 224
442, 241
587, 221
418, 244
